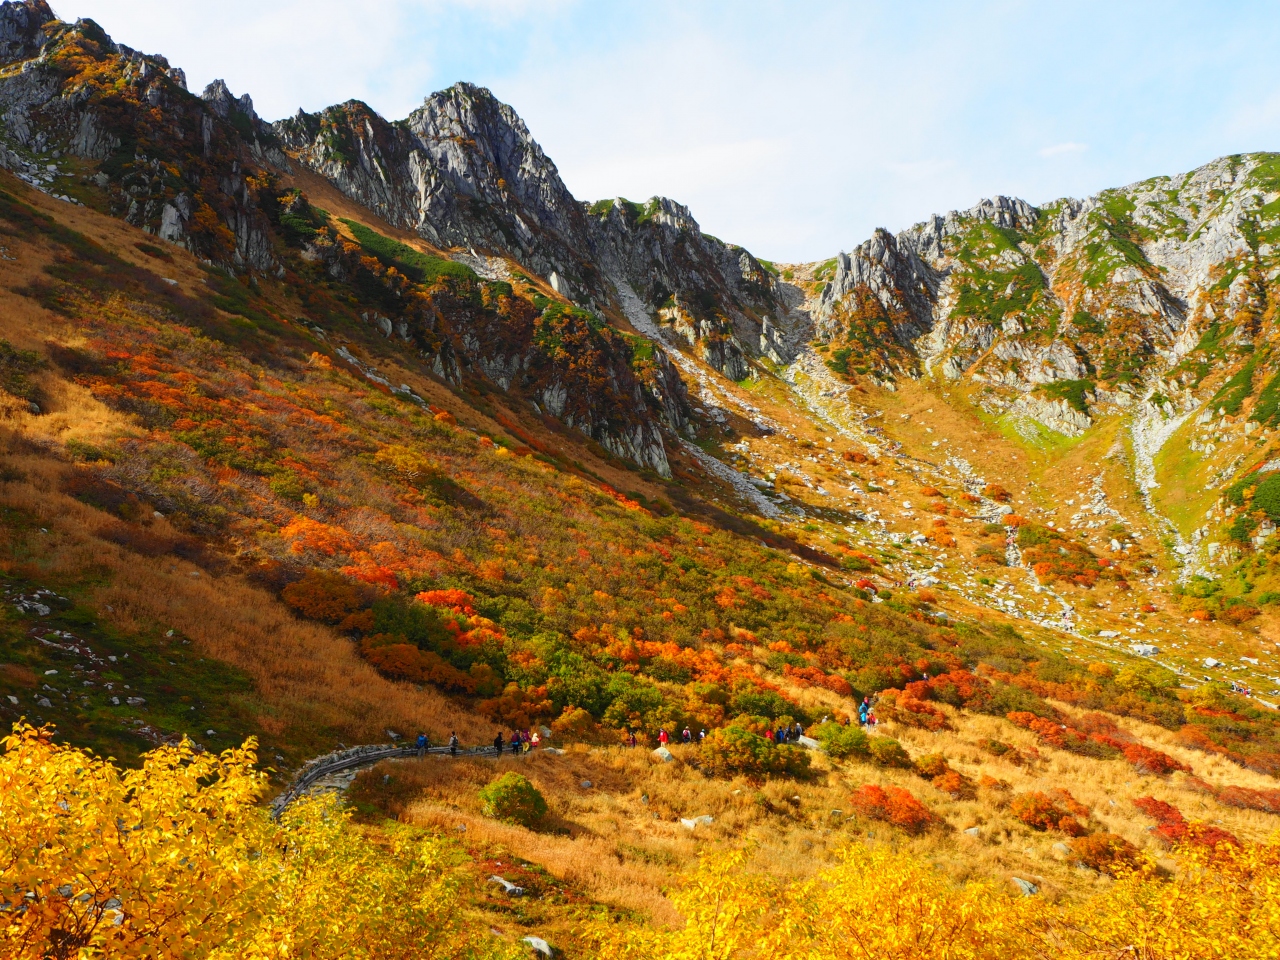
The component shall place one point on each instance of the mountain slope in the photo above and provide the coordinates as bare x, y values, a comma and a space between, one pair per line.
336, 429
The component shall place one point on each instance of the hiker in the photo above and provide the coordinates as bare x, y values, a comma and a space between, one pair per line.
534, 740
524, 741
768, 735
453, 744
497, 743
422, 744
702, 735
515, 743
662, 736
686, 736
631, 739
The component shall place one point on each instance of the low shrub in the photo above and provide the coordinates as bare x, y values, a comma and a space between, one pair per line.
513, 799
732, 751
842, 742
893, 805
888, 752
1174, 829
1106, 853
1039, 811
910, 711
1247, 798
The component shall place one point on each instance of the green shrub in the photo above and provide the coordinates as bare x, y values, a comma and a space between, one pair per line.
888, 752
513, 799
412, 263
841, 742
730, 751
1267, 496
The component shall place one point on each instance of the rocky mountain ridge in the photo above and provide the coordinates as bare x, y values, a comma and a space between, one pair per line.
1108, 294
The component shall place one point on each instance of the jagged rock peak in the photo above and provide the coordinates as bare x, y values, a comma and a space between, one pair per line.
21, 28
225, 104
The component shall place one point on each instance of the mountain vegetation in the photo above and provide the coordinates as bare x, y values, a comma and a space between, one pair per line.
337, 431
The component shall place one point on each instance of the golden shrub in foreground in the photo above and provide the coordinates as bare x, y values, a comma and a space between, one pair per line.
880, 905
177, 860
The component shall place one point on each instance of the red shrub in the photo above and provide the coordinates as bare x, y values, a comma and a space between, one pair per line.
1146, 760
893, 805
1248, 799
1172, 827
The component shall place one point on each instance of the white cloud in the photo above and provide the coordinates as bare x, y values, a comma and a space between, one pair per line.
1058, 149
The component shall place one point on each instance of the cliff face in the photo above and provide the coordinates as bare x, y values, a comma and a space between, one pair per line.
1106, 292
162, 161
462, 171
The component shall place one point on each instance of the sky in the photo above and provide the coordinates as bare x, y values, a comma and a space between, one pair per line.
792, 128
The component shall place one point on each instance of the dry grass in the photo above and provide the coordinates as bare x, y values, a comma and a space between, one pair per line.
309, 680
615, 848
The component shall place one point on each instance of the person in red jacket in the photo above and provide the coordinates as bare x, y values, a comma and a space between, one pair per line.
662, 736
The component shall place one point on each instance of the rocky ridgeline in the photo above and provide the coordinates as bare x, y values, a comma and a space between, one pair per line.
1113, 290
463, 172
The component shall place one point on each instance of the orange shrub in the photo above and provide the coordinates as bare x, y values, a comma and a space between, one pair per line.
404, 661
997, 493
1039, 811
458, 601
322, 595
930, 492
906, 709
305, 534
517, 708
1106, 853
956, 784
893, 805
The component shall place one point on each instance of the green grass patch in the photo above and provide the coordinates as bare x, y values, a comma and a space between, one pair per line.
417, 266
1072, 391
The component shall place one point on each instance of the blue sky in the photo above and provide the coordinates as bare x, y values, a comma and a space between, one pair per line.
792, 128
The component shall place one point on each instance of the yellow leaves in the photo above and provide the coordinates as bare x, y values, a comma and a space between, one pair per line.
881, 905
177, 860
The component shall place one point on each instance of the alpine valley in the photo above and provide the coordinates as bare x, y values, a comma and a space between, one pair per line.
333, 431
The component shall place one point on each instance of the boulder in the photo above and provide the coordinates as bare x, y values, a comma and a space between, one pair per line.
663, 754
511, 889
539, 945
693, 822
1026, 886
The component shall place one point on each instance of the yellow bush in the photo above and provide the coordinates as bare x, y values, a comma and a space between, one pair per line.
883, 905
177, 860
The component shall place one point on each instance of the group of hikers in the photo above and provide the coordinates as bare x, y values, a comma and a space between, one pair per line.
523, 741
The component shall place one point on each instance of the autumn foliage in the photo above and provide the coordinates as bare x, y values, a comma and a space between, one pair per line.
176, 859
884, 904
893, 805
